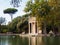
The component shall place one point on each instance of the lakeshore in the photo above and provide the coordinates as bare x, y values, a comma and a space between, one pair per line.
30, 35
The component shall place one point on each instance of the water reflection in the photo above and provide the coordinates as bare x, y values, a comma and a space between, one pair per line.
35, 40
51, 40
17, 40
13, 40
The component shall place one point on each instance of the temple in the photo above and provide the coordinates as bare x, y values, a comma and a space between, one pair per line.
33, 26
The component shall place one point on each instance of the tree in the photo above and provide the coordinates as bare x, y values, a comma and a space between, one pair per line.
40, 10
15, 3
22, 26
2, 20
19, 24
13, 24
4, 29
45, 12
10, 11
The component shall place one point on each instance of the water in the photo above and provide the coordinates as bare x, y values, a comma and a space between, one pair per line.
17, 40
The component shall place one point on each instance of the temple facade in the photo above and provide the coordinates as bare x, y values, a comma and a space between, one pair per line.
33, 26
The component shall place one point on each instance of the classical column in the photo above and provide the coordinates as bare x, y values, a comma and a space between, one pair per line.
37, 27
29, 28
33, 28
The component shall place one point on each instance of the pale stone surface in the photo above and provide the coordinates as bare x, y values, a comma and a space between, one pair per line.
51, 32
32, 25
40, 31
32, 19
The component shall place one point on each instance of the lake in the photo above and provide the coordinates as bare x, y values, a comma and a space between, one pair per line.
17, 40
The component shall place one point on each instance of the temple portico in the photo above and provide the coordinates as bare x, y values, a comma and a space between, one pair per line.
32, 25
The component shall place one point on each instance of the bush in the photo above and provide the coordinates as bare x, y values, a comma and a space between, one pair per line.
5, 31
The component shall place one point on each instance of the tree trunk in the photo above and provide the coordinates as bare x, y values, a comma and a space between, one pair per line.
44, 28
11, 16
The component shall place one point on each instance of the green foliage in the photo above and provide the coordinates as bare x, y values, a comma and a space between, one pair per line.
13, 25
22, 26
47, 13
28, 6
10, 10
3, 29
39, 9
45, 9
19, 24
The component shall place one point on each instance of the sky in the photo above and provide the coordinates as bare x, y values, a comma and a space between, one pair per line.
4, 4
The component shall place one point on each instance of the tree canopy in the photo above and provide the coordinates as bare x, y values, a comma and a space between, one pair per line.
19, 24
10, 10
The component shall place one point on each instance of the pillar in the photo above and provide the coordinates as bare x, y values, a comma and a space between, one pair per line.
33, 28
29, 28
